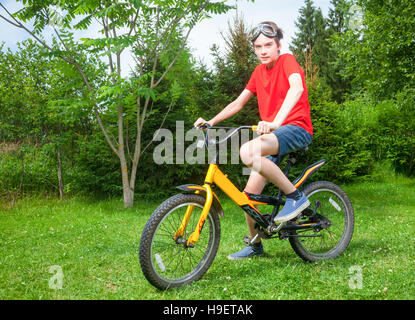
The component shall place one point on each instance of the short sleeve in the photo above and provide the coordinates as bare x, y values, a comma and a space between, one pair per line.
290, 65
251, 86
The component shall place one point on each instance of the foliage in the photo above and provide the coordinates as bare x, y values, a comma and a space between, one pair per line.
156, 33
379, 55
52, 122
338, 22
357, 134
233, 71
44, 113
353, 132
311, 35
395, 132
24, 170
377, 58
23, 80
314, 42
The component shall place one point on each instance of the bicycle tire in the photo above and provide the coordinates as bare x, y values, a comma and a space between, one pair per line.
194, 261
335, 205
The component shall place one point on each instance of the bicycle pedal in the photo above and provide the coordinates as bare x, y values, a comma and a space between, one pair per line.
247, 240
278, 227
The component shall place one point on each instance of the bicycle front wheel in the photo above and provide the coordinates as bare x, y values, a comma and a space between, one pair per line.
167, 262
330, 202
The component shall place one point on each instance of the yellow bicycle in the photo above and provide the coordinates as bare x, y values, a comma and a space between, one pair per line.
181, 238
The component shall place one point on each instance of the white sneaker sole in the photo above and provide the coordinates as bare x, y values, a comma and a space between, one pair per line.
293, 214
243, 258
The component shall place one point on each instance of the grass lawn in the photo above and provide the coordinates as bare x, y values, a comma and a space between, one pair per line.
94, 246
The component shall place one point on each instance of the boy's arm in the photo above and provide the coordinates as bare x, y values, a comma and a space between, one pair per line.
291, 99
230, 110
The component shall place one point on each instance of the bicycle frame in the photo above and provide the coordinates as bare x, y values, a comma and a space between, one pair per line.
246, 201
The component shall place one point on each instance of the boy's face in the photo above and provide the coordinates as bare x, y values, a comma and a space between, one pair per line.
266, 50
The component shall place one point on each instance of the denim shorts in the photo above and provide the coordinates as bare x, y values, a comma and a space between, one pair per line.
290, 138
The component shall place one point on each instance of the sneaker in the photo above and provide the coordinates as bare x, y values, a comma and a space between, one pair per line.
292, 209
247, 252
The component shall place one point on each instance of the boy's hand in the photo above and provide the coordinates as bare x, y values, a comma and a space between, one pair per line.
201, 121
265, 127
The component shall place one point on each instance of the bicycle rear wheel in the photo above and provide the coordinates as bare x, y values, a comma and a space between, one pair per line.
167, 262
334, 204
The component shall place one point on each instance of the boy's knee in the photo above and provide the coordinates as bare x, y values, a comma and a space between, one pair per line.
246, 154
251, 156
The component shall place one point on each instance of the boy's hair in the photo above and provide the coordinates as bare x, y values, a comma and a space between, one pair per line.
276, 29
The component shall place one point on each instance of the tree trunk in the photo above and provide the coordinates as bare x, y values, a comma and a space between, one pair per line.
128, 192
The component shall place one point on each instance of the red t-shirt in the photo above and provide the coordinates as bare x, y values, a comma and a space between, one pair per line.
271, 86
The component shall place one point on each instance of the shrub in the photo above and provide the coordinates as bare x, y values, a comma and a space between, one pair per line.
396, 131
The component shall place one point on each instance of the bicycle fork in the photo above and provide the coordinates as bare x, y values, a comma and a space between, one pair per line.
194, 237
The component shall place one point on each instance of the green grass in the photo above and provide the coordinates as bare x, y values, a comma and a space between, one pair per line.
96, 245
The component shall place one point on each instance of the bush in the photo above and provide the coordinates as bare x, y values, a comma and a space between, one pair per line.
357, 134
25, 169
396, 131
341, 140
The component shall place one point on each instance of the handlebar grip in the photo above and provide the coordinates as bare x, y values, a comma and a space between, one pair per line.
203, 126
254, 128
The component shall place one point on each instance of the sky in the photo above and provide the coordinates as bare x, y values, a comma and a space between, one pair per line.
206, 33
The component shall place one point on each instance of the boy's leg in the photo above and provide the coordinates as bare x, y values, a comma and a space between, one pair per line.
255, 185
257, 181
253, 156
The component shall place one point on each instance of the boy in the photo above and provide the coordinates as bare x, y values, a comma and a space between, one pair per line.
279, 84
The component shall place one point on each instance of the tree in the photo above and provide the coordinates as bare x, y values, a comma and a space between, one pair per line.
315, 41
379, 56
233, 70
147, 28
311, 35
338, 17
240, 57
338, 22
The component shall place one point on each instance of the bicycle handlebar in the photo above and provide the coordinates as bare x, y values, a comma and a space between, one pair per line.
208, 127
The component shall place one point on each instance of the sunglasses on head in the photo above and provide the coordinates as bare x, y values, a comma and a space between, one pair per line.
265, 29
